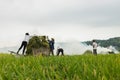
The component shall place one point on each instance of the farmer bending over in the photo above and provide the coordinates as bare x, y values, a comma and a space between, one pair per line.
60, 50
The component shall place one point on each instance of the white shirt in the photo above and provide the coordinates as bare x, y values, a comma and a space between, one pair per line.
95, 45
27, 37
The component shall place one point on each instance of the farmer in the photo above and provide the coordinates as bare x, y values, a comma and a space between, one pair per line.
24, 43
95, 45
60, 50
51, 45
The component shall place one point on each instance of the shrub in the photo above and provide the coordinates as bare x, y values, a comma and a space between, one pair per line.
88, 52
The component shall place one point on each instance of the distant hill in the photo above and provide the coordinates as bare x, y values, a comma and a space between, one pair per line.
106, 43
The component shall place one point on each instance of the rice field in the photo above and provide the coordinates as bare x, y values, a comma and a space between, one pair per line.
78, 67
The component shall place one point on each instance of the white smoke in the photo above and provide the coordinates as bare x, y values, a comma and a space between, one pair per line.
104, 50
77, 48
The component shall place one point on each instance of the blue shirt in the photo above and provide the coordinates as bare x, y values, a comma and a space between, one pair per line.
51, 44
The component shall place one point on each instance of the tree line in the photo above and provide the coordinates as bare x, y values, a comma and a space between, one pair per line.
106, 43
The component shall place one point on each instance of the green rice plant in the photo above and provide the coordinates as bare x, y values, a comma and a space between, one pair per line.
78, 67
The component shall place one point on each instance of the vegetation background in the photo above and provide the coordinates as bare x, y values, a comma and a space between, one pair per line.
106, 43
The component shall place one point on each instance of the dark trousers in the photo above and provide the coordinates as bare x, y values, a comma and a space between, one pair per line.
95, 51
51, 51
60, 51
24, 45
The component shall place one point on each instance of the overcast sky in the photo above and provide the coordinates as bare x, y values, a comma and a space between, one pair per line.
65, 20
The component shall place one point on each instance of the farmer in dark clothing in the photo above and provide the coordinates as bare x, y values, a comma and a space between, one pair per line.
51, 46
60, 50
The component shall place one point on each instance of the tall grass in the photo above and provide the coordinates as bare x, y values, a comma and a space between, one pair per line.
83, 67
